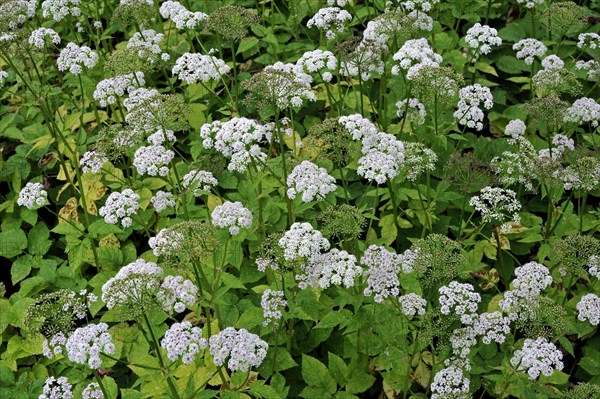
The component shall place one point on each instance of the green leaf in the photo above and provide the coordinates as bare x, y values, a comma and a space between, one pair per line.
316, 374
486, 68
247, 44
591, 365
359, 381
333, 319
38, 242
21, 268
12, 243
389, 232
338, 368
131, 394
232, 281
7, 377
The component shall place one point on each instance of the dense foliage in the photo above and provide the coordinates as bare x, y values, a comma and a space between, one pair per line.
303, 198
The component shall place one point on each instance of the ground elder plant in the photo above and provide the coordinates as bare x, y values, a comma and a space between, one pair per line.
299, 199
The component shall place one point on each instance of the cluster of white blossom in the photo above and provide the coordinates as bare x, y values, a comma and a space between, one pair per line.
272, 303
152, 160
382, 271
592, 67
147, 44
33, 196
450, 382
54, 346
318, 61
481, 38
468, 112
584, 110
133, 283
531, 279
310, 180
161, 200
237, 139
183, 341
530, 3
109, 90
143, 109
60, 9
56, 388
515, 129
85, 345
527, 49
181, 16
232, 215
590, 40
552, 62
537, 356
412, 110
413, 55
302, 241
331, 20
593, 264
92, 391
492, 327
167, 242
363, 61
244, 349
38, 37
331, 268
417, 159
460, 299
412, 304
175, 293
199, 182
358, 126
419, 5
119, 207
73, 58
92, 161
290, 93
160, 136
382, 159
589, 309
3, 76
496, 204
194, 68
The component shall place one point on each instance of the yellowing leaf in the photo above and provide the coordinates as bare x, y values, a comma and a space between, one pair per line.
213, 202
110, 240
69, 211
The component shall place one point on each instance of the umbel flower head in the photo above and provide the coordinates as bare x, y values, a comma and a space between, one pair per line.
73, 58
330, 19
85, 344
302, 242
119, 207
193, 68
496, 205
181, 16
182, 340
537, 357
231, 22
232, 215
57, 388
272, 303
331, 268
310, 180
244, 349
33, 196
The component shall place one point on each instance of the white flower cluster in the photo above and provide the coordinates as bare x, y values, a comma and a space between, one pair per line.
302, 241
175, 293
589, 39
468, 112
494, 203
57, 388
449, 382
412, 304
59, 9
199, 182
38, 37
537, 356
272, 302
243, 349
183, 341
318, 61
33, 196
181, 16
330, 19
412, 110
481, 38
17, 12
594, 266
365, 60
119, 207
382, 273
3, 76
589, 309
152, 160
162, 200
147, 44
331, 268
515, 129
286, 94
530, 3
237, 139
531, 279
73, 57
54, 346
167, 242
131, 284
161, 136
109, 90
92, 391
92, 161
144, 110
592, 67
418, 159
311, 181
528, 48
382, 159
86, 343
194, 68
552, 62
413, 55
492, 327
232, 215
459, 299
420, 5
584, 110
358, 126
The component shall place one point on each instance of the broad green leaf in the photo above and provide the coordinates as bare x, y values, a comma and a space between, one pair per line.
317, 375
12, 243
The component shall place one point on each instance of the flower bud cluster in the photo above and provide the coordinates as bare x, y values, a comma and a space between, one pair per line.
146, 43
119, 207
495, 203
166, 243
109, 90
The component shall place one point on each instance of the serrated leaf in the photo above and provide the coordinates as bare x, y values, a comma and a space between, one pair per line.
317, 375
338, 368
12, 243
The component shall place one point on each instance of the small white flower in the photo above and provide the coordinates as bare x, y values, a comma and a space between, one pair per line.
119, 207
584, 110
33, 196
57, 388
199, 182
330, 19
448, 381
302, 241
589, 309
413, 55
481, 38
311, 181
537, 356
175, 294
162, 200
85, 345
412, 110
527, 49
468, 112
272, 303
318, 61
74, 58
153, 160
38, 37
167, 242
383, 267
132, 284
60, 9
459, 299
412, 304
232, 215
194, 68
495, 203
181, 16
515, 129
92, 391
109, 90
590, 40
183, 341
244, 349
332, 268
92, 161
